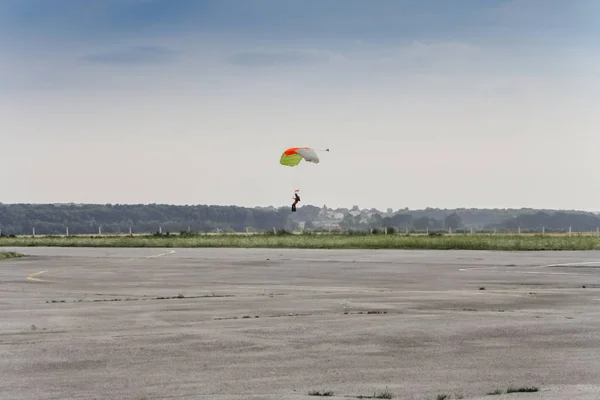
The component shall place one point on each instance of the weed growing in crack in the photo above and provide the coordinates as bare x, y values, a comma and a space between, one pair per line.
319, 393
525, 389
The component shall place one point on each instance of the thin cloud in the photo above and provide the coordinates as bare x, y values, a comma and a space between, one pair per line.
133, 55
280, 57
427, 57
436, 52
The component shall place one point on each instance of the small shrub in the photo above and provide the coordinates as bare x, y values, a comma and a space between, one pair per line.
318, 393
186, 234
385, 394
347, 308
524, 389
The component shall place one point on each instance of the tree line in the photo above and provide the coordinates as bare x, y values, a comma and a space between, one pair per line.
52, 219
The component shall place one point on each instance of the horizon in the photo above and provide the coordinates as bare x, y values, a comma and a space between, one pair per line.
384, 210
459, 102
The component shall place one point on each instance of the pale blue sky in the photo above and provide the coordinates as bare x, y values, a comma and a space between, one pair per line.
436, 103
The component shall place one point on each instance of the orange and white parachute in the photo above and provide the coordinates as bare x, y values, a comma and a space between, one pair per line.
292, 156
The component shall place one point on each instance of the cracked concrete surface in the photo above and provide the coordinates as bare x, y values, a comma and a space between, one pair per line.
277, 323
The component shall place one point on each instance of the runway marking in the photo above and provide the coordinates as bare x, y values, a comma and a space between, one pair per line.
31, 277
568, 264
548, 273
161, 254
512, 269
479, 269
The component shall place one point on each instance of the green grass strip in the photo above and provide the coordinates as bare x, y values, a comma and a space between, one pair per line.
326, 241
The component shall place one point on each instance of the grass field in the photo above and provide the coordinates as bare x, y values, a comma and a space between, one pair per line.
325, 241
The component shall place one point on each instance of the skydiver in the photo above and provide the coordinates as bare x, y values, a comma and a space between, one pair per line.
296, 200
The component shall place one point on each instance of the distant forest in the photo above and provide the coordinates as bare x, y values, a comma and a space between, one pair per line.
53, 219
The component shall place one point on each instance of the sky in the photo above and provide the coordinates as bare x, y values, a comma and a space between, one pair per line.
422, 103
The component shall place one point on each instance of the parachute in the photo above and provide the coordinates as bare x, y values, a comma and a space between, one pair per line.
292, 156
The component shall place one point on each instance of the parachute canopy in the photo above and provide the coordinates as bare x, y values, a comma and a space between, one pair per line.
292, 156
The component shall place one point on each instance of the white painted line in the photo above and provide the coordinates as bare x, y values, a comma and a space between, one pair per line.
483, 268
31, 277
568, 264
498, 270
548, 273
161, 254
512, 269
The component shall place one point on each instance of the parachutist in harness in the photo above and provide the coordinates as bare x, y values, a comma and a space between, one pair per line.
296, 200
292, 157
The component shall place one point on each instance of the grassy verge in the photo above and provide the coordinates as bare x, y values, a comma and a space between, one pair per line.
312, 241
9, 254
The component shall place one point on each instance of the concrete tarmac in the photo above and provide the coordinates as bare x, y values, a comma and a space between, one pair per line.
276, 323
